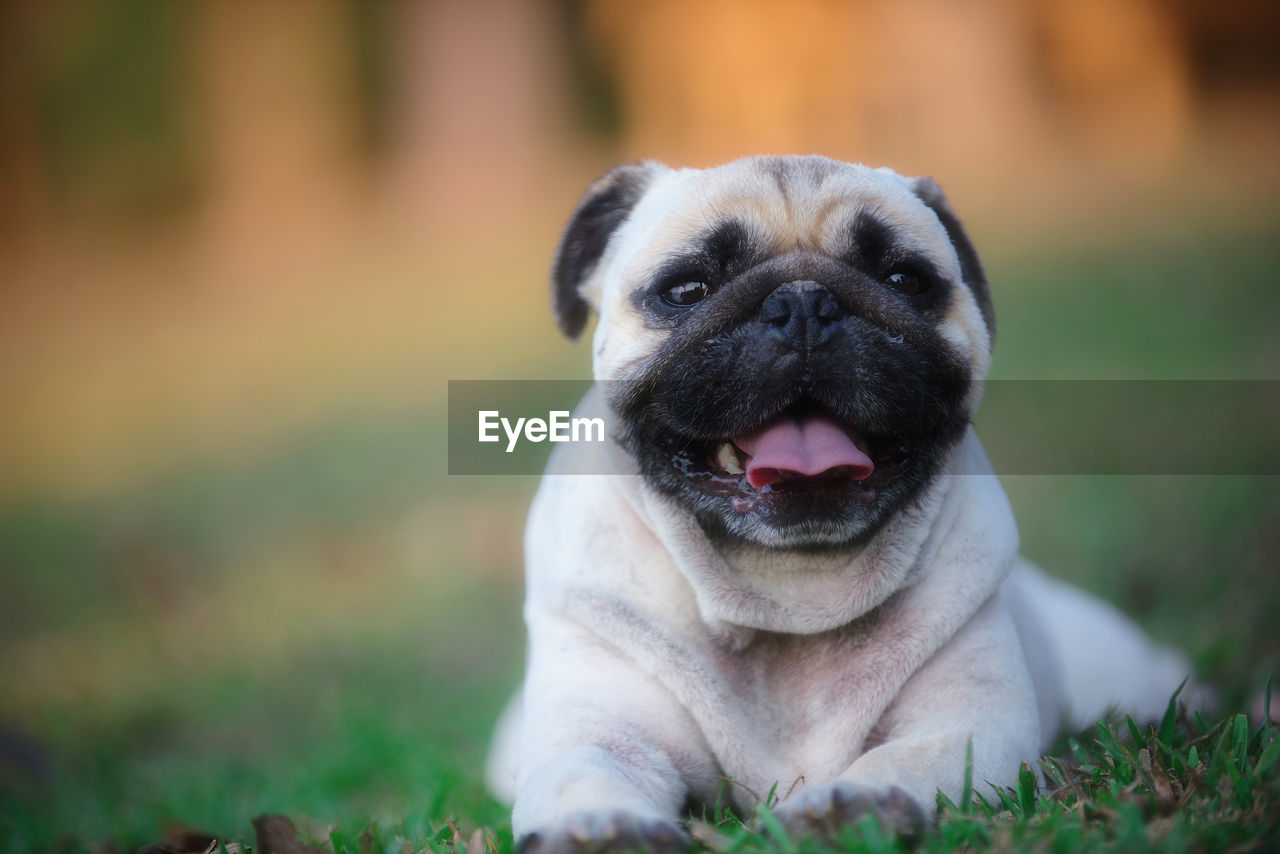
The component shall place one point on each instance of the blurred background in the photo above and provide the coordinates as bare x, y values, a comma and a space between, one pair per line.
245, 245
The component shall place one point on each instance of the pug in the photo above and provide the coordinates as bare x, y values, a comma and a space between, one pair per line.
796, 580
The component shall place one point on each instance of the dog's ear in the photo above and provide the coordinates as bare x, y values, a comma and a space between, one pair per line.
604, 207
970, 267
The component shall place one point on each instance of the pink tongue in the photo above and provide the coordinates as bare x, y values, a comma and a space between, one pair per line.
801, 447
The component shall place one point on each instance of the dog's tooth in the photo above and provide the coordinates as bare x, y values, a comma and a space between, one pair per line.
727, 459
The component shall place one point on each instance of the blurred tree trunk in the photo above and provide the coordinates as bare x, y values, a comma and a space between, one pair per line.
24, 194
479, 104
1118, 72
279, 127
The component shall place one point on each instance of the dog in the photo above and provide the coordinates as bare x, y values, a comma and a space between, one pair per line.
801, 576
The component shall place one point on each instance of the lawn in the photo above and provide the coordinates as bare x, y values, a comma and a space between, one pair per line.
328, 630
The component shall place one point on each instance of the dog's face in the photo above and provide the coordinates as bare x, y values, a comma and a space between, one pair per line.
792, 344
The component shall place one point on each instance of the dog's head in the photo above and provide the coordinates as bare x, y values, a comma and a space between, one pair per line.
792, 343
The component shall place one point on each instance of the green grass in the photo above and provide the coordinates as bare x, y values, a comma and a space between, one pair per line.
1184, 785
328, 631
342, 729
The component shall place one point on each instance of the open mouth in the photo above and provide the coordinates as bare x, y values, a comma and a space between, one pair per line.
801, 454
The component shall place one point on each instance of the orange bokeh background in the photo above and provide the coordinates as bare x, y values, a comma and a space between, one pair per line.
225, 221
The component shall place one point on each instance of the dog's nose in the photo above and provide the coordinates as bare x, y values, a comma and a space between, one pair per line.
803, 313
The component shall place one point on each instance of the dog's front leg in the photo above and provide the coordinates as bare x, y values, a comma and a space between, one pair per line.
975, 688
608, 757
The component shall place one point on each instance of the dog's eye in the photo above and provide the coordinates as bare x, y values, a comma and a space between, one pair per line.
686, 294
905, 283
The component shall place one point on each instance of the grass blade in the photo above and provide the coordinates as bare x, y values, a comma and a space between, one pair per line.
1268, 758
1027, 790
1240, 742
1169, 721
966, 791
775, 829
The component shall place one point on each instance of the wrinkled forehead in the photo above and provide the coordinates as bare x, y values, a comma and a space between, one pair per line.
786, 204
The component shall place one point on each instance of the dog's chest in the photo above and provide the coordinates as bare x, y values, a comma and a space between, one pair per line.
804, 706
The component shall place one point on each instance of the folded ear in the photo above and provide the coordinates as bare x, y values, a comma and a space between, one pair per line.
604, 207
970, 267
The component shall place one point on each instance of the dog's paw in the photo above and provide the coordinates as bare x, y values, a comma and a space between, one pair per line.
605, 833
822, 810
